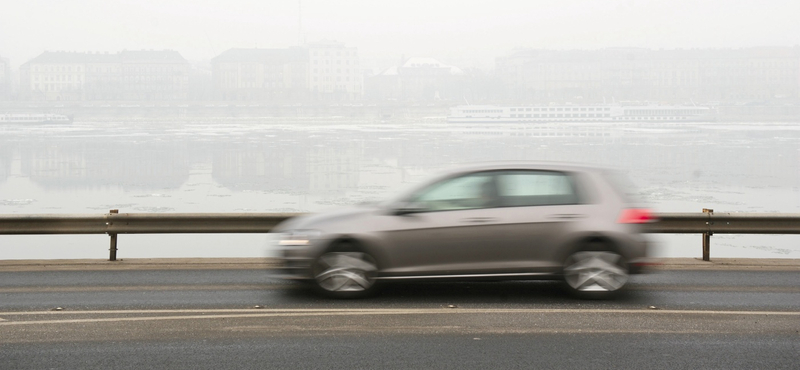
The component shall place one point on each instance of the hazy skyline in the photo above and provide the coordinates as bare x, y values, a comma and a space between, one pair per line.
446, 30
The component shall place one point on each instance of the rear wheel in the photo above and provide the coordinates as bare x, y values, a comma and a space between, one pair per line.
345, 273
595, 274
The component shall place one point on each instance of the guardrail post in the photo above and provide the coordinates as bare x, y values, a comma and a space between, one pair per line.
113, 249
707, 236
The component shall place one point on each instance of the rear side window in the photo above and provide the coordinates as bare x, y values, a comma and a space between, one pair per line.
536, 188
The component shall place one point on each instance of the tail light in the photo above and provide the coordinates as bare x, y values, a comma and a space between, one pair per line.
636, 216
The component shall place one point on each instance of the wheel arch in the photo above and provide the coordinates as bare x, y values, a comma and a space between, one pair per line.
591, 241
355, 243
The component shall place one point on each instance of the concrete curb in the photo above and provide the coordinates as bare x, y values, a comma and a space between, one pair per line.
750, 264
659, 264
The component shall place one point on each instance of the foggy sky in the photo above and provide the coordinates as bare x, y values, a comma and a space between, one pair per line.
449, 30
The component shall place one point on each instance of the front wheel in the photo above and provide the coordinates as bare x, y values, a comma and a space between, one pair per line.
595, 274
345, 274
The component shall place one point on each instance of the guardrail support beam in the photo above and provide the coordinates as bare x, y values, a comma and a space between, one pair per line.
706, 246
707, 236
113, 249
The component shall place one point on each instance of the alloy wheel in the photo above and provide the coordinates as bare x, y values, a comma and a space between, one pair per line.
345, 272
595, 271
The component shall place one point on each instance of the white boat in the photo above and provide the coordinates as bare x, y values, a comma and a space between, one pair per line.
578, 113
34, 118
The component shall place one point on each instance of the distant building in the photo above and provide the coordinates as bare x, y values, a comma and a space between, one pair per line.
334, 72
260, 74
326, 71
154, 75
677, 76
200, 81
128, 75
103, 80
417, 79
5, 79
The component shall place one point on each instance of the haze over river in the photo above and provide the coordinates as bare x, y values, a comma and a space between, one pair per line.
308, 165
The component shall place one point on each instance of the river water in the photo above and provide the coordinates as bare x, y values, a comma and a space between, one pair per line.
309, 165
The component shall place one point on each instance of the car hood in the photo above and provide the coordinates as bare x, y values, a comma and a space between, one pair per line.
320, 221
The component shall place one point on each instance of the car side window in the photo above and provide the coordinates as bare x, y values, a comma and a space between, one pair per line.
536, 188
463, 192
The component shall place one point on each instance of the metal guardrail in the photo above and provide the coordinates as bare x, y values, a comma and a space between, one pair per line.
141, 223
726, 223
709, 223
113, 223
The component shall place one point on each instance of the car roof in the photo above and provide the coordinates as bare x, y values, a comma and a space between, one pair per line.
525, 165
458, 170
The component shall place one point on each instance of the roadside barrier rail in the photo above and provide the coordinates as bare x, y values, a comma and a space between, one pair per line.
114, 223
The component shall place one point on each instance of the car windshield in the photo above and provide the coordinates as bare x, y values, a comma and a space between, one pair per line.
405, 194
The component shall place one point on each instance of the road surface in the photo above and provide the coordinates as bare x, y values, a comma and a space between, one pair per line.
189, 315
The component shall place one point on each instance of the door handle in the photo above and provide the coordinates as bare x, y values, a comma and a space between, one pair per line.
478, 220
567, 216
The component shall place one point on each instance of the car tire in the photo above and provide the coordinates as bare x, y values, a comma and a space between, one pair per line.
344, 271
595, 273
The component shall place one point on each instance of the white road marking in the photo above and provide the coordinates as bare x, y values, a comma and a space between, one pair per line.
116, 288
196, 314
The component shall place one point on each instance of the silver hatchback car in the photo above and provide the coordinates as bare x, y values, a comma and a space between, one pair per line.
506, 221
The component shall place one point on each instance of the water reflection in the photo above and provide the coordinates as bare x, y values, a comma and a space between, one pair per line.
191, 165
64, 163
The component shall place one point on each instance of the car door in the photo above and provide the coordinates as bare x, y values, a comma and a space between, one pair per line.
542, 209
449, 230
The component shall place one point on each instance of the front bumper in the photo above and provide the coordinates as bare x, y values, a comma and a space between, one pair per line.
297, 268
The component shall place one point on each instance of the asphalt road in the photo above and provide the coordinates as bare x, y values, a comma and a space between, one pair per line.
233, 318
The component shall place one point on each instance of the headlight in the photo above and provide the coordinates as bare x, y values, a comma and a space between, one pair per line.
297, 238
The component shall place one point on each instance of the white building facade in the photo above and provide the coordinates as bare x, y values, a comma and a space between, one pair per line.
128, 75
334, 72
